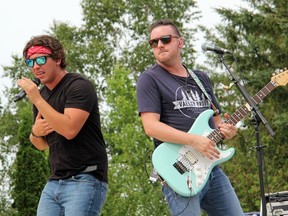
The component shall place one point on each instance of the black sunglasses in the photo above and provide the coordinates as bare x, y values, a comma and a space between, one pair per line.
41, 60
166, 39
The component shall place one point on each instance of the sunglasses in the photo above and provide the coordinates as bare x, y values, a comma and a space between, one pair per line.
41, 60
166, 39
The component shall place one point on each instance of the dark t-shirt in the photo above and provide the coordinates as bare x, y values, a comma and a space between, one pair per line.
70, 157
178, 100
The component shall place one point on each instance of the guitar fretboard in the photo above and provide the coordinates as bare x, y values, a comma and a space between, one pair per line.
243, 111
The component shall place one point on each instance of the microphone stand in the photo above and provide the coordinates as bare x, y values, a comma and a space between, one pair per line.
258, 118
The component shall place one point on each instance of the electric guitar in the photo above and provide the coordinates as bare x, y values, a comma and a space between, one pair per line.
185, 169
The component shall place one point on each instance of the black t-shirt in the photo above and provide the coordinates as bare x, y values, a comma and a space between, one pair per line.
70, 157
178, 100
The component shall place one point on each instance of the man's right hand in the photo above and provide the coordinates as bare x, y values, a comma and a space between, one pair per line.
41, 127
205, 146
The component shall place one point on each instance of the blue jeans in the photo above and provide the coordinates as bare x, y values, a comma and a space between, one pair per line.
217, 198
81, 195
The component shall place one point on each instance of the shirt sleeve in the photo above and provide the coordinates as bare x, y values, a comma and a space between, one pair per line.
148, 95
81, 94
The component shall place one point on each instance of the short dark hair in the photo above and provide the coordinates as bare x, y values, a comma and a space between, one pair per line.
165, 22
52, 44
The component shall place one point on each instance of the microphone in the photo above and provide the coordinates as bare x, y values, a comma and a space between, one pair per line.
218, 50
22, 93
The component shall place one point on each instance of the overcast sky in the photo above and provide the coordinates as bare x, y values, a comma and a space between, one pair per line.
20, 20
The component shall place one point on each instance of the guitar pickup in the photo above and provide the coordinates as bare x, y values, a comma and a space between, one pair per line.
180, 167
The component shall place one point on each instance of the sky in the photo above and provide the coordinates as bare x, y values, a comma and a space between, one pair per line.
20, 20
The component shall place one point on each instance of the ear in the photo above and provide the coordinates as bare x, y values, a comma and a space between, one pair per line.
58, 61
180, 42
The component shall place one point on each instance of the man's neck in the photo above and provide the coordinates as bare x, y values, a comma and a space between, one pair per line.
57, 79
178, 70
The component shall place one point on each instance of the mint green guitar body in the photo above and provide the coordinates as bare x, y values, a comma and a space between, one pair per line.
182, 167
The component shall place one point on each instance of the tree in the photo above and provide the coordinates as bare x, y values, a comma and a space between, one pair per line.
118, 31
30, 173
8, 133
255, 35
130, 192
5, 163
111, 49
130, 150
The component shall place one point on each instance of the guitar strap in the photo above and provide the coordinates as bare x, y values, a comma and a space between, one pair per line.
200, 85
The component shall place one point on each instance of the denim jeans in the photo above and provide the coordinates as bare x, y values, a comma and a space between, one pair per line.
217, 198
81, 195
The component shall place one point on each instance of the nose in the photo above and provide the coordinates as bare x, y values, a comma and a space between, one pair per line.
160, 44
35, 65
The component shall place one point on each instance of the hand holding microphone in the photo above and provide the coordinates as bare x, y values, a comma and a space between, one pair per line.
25, 84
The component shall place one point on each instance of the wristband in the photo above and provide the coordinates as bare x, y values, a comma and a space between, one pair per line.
35, 135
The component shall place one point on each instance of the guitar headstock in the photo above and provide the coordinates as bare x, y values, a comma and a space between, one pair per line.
280, 78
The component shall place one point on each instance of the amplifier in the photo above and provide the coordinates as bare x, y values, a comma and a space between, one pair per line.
276, 204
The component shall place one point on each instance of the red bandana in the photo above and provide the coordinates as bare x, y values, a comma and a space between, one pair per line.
38, 49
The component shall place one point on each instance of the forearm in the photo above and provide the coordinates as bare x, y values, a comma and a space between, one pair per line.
165, 133
39, 142
55, 119
62, 123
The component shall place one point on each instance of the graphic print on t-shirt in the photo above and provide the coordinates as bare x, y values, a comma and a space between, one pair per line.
188, 99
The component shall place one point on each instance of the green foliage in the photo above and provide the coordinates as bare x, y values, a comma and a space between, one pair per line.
129, 148
130, 152
256, 36
10, 136
6, 152
30, 169
111, 49
117, 31
72, 41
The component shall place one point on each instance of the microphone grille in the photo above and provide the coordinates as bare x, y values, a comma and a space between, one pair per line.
36, 81
204, 46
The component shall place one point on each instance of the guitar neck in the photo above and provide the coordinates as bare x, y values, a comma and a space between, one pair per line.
243, 111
